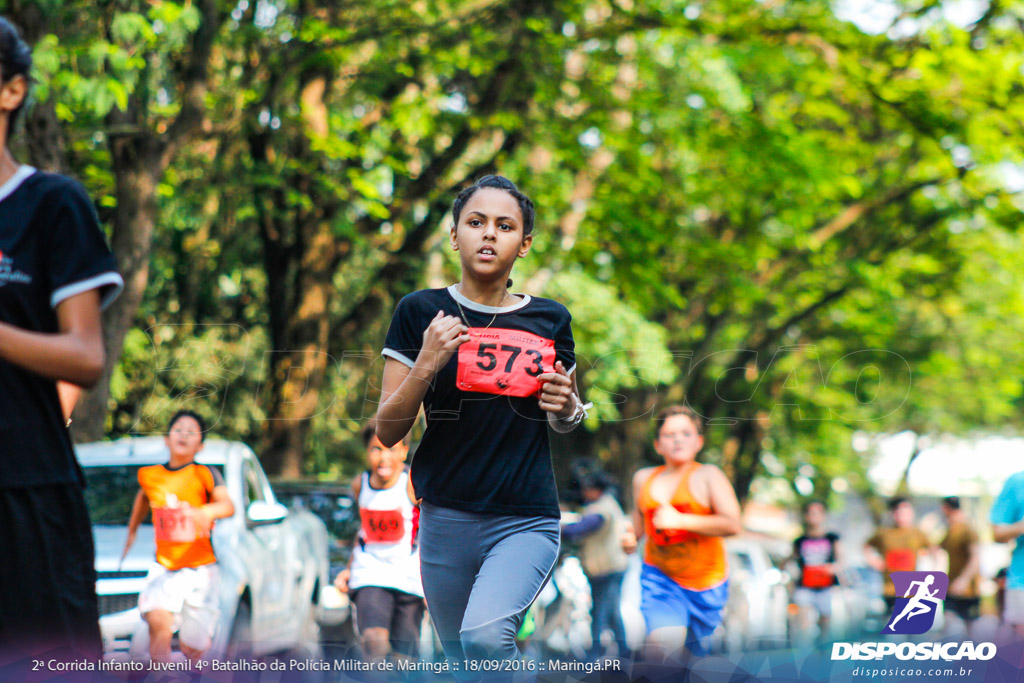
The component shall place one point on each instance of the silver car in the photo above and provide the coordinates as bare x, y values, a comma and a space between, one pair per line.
756, 612
274, 587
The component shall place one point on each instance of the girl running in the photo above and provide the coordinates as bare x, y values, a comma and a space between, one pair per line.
492, 369
383, 573
55, 274
684, 508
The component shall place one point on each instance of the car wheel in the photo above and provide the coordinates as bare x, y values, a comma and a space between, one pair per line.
240, 641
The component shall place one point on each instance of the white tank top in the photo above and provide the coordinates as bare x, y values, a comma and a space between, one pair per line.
386, 554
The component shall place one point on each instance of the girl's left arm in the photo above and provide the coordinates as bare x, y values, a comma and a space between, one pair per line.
560, 397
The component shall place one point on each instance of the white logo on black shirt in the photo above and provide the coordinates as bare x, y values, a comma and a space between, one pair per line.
9, 274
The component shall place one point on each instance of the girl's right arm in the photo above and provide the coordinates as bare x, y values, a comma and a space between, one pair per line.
403, 387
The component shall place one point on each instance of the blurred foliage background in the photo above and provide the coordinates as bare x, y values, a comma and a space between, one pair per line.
798, 218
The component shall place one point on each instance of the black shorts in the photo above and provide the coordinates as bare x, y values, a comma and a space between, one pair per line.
399, 612
47, 575
965, 608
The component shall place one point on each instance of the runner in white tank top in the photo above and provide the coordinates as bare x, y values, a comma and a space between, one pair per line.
384, 570
385, 553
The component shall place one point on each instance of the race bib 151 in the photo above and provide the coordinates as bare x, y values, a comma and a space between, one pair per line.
504, 362
174, 524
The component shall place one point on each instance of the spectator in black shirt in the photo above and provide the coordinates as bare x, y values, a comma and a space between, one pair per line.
55, 274
818, 554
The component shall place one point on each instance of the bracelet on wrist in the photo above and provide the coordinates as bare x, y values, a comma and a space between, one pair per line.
579, 412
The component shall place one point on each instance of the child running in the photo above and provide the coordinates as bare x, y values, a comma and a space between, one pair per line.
384, 568
56, 273
492, 370
818, 554
684, 508
185, 497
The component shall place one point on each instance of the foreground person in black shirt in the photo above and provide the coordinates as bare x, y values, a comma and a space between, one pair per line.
492, 369
55, 273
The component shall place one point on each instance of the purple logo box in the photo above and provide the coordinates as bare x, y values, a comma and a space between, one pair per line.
918, 596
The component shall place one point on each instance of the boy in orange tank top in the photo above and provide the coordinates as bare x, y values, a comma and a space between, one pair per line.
185, 499
684, 508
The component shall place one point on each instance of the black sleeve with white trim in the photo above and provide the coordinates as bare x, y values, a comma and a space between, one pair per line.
565, 345
405, 334
78, 259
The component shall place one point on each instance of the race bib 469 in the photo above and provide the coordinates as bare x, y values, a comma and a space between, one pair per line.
504, 362
382, 526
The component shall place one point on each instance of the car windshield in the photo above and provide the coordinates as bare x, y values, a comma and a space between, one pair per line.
335, 510
110, 492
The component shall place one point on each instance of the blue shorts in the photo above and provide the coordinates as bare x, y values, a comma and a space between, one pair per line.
666, 604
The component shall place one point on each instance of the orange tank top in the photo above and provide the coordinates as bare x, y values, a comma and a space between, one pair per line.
694, 561
173, 496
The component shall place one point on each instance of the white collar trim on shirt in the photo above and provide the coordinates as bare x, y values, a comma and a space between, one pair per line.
480, 308
23, 172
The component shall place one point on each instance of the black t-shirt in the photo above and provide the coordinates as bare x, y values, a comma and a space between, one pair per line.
814, 551
51, 248
484, 452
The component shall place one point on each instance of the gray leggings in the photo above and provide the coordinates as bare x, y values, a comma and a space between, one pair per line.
480, 575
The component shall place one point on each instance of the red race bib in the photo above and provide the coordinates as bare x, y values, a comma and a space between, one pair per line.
901, 560
504, 362
817, 577
174, 525
382, 526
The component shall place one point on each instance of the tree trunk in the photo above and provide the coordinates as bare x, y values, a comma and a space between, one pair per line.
44, 138
137, 171
298, 368
138, 161
920, 443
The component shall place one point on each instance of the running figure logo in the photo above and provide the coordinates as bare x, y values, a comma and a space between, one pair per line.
922, 593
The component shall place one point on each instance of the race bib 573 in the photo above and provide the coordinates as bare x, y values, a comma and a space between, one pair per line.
504, 362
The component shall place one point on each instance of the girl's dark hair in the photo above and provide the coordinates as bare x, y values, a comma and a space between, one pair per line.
672, 411
500, 183
188, 413
15, 60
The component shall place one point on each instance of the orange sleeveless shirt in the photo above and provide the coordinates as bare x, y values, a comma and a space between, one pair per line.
173, 494
694, 561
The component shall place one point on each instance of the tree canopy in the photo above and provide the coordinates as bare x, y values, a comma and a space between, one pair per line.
799, 228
